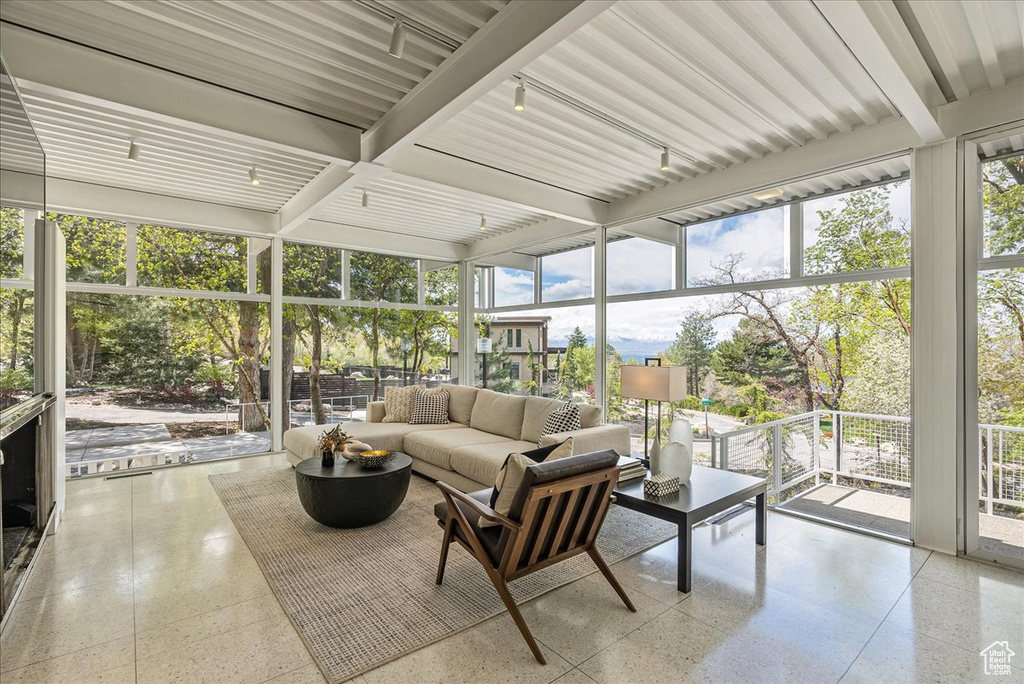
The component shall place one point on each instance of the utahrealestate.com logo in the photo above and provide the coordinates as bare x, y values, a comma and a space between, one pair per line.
997, 658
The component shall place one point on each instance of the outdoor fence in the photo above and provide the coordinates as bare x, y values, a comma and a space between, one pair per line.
336, 409
792, 451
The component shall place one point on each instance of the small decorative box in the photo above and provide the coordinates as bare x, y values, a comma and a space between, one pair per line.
661, 484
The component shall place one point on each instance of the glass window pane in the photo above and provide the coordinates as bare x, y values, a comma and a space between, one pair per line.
568, 275
738, 248
191, 259
512, 286
312, 271
858, 231
95, 248
17, 351
442, 286
1004, 206
382, 278
12, 241
639, 265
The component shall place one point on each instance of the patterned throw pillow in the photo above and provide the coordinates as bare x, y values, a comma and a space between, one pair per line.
563, 419
430, 408
511, 475
398, 403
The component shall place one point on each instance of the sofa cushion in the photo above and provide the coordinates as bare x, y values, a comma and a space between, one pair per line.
500, 414
534, 415
301, 441
482, 462
430, 408
398, 403
460, 403
436, 447
590, 416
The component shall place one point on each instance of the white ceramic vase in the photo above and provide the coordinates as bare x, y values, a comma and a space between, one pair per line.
654, 457
677, 460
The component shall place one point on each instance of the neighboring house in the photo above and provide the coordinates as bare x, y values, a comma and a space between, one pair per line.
515, 335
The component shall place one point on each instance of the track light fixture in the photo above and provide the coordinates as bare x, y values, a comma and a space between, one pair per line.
520, 101
664, 159
483, 222
254, 177
133, 152
366, 198
397, 40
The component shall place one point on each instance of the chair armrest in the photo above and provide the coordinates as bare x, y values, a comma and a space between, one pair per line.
597, 438
375, 412
485, 512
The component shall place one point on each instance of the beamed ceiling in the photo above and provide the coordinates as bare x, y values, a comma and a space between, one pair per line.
211, 88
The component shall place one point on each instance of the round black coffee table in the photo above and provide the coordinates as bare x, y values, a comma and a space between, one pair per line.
349, 495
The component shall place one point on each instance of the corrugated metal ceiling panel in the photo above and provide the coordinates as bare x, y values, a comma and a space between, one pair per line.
979, 46
19, 149
89, 142
720, 82
329, 58
405, 205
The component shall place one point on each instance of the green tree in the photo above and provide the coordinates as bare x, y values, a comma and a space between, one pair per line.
573, 373
692, 349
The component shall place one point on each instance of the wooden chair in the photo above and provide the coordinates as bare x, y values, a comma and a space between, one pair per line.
557, 513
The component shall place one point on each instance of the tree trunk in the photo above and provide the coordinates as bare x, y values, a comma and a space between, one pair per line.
16, 316
375, 352
287, 368
315, 398
253, 416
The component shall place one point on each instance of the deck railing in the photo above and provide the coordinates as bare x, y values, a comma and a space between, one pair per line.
336, 409
861, 446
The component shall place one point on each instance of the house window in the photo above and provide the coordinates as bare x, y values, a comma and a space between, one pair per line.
519, 337
515, 370
509, 333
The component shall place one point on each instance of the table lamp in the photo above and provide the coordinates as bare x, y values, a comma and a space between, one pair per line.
653, 383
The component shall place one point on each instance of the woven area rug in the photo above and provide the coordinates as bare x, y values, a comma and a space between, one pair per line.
359, 598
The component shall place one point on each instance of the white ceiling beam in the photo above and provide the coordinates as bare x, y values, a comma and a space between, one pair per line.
133, 205
861, 146
656, 229
330, 184
376, 240
523, 262
96, 77
537, 234
881, 42
519, 33
443, 169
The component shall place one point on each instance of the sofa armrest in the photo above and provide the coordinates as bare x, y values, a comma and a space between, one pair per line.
375, 412
592, 439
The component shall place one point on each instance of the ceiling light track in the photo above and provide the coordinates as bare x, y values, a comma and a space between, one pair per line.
411, 24
571, 101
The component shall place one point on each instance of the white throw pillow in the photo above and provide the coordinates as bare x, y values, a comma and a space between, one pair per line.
566, 418
398, 403
511, 475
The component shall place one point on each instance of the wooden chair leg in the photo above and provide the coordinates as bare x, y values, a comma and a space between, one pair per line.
607, 572
445, 543
517, 617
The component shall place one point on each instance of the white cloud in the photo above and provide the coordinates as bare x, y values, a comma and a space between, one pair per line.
579, 263
638, 265
761, 237
570, 289
512, 286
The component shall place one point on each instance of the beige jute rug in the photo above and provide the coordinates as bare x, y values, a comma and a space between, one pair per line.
360, 598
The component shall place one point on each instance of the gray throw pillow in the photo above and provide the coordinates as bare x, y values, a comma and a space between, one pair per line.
511, 475
430, 408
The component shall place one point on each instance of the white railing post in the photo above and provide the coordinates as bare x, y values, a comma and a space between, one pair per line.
815, 451
777, 460
837, 435
725, 453
988, 465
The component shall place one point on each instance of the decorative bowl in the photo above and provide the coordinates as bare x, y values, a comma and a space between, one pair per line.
373, 459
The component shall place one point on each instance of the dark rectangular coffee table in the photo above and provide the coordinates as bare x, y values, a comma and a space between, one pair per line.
709, 491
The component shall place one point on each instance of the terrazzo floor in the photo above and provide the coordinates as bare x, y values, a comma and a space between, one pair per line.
148, 581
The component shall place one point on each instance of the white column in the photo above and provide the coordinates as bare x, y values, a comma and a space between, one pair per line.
28, 257
601, 317
936, 345
345, 275
796, 240
276, 328
421, 284
131, 256
467, 327
680, 258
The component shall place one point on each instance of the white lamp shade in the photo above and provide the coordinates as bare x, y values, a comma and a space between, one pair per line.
657, 383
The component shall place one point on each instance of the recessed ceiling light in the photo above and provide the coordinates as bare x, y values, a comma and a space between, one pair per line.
769, 194
520, 101
664, 159
254, 177
397, 40
133, 152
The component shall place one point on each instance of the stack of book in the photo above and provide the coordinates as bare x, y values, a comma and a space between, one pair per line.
630, 469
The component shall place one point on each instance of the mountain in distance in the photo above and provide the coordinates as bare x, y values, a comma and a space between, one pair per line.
632, 349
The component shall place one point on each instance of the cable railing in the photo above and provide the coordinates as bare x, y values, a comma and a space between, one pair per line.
336, 409
876, 448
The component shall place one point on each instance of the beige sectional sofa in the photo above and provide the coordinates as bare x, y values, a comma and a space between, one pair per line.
467, 452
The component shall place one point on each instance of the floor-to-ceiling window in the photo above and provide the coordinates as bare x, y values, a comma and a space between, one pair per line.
356, 323
994, 477
793, 324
